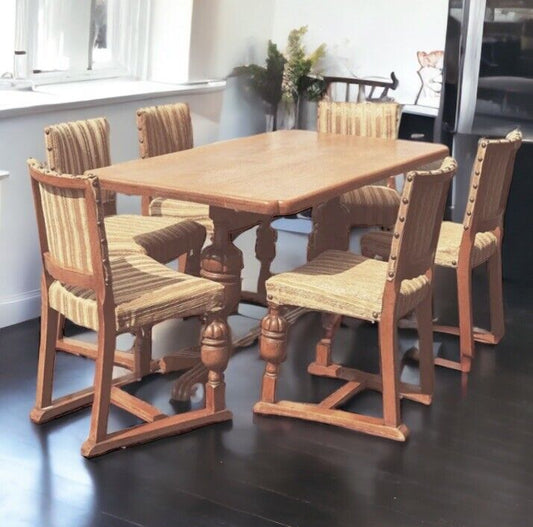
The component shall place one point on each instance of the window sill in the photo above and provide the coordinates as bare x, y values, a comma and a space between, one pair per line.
44, 98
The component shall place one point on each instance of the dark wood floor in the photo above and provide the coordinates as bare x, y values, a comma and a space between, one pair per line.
468, 461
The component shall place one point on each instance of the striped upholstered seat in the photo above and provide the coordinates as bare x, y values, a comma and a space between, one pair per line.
80, 146
372, 204
160, 238
340, 283
115, 294
145, 293
184, 210
162, 130
466, 245
378, 243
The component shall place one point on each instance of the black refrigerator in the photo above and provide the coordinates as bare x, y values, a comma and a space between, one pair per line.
487, 91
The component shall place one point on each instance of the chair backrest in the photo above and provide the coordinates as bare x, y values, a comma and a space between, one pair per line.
368, 119
164, 129
417, 227
77, 146
490, 182
71, 227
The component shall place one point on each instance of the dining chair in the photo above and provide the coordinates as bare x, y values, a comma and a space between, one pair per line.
78, 146
162, 130
376, 204
340, 283
168, 128
113, 294
468, 245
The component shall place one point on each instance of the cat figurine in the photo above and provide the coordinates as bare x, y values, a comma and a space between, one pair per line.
430, 74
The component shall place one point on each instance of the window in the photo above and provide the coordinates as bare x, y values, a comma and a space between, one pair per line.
7, 37
52, 41
59, 40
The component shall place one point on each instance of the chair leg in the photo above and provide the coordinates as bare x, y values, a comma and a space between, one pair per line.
102, 385
273, 346
47, 352
273, 350
192, 260
215, 351
424, 320
182, 262
142, 351
60, 327
466, 321
389, 370
330, 324
494, 270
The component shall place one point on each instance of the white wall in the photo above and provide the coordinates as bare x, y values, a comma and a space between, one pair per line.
225, 34
170, 20
371, 38
228, 33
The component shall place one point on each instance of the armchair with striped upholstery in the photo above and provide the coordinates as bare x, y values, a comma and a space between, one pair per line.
110, 293
79, 146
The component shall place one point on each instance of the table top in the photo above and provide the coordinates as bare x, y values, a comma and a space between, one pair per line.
276, 173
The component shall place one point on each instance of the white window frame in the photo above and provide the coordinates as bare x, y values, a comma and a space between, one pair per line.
131, 55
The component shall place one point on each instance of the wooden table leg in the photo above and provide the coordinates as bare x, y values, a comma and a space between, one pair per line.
221, 261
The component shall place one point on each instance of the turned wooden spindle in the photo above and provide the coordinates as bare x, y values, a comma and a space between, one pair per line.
215, 352
273, 350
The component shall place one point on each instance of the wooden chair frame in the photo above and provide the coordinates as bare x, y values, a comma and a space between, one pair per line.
215, 348
401, 266
495, 160
475, 221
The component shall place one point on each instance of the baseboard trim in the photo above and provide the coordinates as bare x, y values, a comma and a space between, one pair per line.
19, 308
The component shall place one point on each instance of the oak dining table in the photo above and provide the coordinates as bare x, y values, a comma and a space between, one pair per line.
250, 180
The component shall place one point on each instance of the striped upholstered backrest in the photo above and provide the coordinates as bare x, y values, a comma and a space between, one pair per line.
164, 129
490, 182
78, 146
367, 119
69, 218
420, 215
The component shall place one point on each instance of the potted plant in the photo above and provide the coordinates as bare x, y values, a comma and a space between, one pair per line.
299, 81
266, 81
